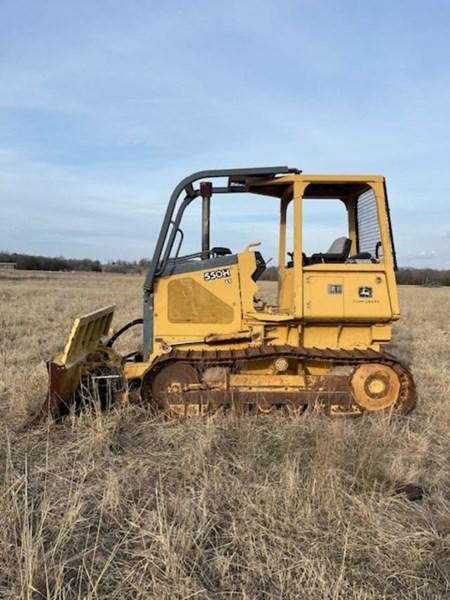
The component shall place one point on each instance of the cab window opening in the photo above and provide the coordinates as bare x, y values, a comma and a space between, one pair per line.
326, 236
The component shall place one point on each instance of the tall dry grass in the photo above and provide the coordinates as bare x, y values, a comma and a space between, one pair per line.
123, 505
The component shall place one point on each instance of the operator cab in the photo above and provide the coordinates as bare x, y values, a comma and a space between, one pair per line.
311, 260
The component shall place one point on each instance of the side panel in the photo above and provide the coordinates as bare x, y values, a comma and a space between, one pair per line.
191, 302
323, 296
345, 296
193, 305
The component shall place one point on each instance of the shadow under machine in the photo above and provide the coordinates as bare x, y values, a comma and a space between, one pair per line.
210, 344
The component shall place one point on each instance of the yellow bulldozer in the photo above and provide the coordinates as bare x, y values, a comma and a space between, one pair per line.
210, 345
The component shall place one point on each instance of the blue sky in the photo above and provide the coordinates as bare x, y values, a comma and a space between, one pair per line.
105, 105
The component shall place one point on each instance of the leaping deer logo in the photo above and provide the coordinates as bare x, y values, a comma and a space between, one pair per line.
365, 292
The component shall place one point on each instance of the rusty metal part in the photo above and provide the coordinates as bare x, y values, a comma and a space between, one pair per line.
383, 380
98, 379
173, 377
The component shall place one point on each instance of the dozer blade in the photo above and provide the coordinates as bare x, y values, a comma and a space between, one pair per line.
66, 368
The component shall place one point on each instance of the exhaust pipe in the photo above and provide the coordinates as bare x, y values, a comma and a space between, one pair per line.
206, 193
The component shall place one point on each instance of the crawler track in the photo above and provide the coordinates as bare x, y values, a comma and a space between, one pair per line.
342, 390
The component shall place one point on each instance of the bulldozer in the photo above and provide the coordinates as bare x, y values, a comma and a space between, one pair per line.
209, 344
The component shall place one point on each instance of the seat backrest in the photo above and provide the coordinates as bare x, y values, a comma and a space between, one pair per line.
340, 245
338, 252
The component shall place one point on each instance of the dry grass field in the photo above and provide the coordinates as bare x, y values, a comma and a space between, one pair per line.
123, 505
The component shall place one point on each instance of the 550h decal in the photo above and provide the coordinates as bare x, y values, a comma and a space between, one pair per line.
217, 274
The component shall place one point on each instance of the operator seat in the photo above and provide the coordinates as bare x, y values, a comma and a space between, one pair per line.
338, 252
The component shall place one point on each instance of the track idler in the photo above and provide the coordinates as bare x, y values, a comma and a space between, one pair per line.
379, 386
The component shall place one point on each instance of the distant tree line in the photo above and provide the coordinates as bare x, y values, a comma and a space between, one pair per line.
427, 277
405, 275
49, 263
